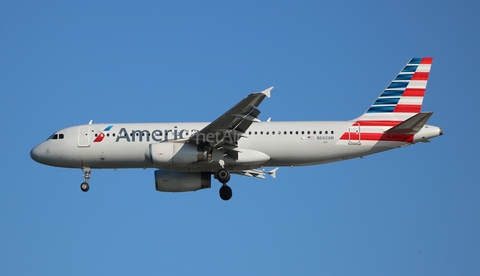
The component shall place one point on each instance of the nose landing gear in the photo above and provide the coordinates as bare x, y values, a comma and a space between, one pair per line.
86, 174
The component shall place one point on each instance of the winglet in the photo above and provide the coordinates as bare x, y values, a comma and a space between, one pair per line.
266, 92
273, 172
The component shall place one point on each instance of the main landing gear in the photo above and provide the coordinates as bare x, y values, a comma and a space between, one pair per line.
224, 176
86, 174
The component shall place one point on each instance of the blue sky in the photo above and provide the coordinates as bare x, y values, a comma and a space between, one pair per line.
412, 211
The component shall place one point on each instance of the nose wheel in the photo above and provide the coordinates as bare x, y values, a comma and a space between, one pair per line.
86, 174
84, 187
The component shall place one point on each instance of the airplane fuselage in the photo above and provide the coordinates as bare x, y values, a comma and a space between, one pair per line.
285, 143
187, 154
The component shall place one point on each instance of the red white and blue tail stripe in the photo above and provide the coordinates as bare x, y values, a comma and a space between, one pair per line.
400, 101
403, 97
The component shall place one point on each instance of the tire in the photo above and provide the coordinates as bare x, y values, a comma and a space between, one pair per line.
84, 187
223, 176
225, 192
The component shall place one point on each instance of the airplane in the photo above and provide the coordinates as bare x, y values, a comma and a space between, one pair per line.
186, 155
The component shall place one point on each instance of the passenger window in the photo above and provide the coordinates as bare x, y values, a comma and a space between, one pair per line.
331, 132
291, 132
113, 135
261, 132
249, 133
279, 132
273, 132
285, 132
314, 132
255, 133
303, 132
108, 134
320, 132
267, 132
96, 134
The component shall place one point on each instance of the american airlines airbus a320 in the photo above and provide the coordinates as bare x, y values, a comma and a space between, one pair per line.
187, 154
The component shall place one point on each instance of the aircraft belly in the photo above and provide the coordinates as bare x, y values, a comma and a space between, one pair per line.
304, 152
294, 152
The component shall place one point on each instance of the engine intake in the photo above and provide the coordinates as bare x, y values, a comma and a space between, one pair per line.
171, 181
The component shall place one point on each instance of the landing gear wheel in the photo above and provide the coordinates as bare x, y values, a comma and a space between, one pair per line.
223, 176
225, 192
84, 186
86, 174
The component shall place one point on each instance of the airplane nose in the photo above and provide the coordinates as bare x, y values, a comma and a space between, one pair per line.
36, 153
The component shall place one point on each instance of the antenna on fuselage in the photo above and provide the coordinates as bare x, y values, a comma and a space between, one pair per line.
90, 122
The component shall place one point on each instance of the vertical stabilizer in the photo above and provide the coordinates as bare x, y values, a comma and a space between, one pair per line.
403, 98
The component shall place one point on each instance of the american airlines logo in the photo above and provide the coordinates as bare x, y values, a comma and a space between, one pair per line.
101, 135
156, 135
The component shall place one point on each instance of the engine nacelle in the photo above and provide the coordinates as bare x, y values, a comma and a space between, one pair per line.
172, 153
171, 181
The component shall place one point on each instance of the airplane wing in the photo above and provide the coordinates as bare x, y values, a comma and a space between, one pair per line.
225, 131
258, 173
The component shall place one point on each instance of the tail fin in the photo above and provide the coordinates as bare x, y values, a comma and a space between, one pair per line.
403, 98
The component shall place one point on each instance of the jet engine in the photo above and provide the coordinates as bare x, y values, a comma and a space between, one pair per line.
172, 153
171, 181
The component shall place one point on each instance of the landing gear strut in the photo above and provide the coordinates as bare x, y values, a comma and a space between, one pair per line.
86, 174
224, 176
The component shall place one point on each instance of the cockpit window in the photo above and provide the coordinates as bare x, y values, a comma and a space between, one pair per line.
56, 136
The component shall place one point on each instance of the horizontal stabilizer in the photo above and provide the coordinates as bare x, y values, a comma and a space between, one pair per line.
413, 124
